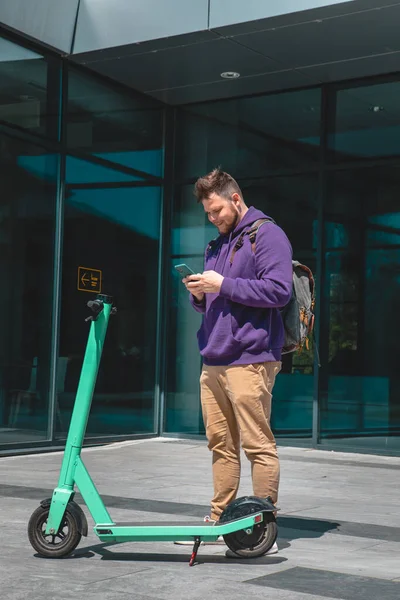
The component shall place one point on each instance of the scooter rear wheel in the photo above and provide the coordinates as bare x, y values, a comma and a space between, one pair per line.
263, 535
53, 545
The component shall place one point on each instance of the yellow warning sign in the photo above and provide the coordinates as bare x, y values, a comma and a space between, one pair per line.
89, 280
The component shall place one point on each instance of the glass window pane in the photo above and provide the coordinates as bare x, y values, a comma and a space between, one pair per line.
114, 230
86, 172
292, 202
25, 78
27, 220
367, 123
120, 126
191, 230
250, 136
183, 411
190, 233
360, 388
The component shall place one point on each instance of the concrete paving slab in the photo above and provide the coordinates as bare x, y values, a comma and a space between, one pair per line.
339, 515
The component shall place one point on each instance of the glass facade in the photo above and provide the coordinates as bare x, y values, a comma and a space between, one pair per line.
98, 189
323, 163
360, 391
29, 90
27, 209
117, 231
82, 168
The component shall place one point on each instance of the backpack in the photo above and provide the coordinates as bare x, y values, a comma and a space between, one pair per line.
298, 314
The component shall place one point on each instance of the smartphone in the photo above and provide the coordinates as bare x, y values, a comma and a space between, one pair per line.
184, 270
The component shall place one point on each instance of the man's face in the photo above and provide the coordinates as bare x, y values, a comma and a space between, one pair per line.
222, 212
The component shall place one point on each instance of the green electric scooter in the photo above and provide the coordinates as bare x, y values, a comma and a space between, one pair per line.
55, 528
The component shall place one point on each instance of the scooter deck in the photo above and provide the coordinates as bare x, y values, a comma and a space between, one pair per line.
175, 531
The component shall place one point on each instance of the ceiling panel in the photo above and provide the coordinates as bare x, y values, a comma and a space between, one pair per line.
103, 24
340, 38
300, 16
145, 47
265, 82
185, 66
364, 67
228, 12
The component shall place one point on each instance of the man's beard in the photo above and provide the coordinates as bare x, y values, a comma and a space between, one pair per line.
234, 224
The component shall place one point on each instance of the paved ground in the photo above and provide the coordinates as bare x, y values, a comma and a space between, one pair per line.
339, 528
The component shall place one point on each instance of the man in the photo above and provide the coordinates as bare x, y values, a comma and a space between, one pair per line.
240, 339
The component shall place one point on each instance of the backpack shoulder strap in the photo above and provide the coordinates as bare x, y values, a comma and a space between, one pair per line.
212, 245
251, 232
237, 246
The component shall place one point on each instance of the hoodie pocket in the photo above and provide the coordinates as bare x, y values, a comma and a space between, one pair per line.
250, 328
215, 337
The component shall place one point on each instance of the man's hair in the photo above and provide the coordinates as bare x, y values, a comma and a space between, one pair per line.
216, 182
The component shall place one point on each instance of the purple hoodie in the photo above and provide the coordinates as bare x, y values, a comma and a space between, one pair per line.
242, 324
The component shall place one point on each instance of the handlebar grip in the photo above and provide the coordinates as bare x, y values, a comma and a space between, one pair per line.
95, 305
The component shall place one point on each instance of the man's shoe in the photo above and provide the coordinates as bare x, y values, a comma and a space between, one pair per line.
273, 550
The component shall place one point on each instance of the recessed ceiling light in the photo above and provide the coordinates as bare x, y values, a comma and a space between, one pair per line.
230, 75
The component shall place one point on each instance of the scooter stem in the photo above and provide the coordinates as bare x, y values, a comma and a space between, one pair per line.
80, 415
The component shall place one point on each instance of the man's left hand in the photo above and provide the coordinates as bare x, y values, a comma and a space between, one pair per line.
210, 282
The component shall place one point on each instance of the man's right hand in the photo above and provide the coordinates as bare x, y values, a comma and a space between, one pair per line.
192, 286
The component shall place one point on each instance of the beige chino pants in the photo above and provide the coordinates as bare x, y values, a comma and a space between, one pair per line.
236, 404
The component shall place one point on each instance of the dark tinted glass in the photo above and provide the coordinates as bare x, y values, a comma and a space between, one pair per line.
115, 125
29, 90
116, 231
190, 233
367, 123
360, 392
292, 202
27, 209
250, 137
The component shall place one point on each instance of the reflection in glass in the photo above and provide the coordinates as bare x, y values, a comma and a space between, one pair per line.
117, 125
86, 172
27, 217
24, 82
190, 233
292, 202
360, 389
250, 137
367, 122
115, 230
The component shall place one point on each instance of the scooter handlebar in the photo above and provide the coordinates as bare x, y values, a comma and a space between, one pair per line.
96, 306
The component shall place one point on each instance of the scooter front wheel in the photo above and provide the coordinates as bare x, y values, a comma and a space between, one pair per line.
55, 545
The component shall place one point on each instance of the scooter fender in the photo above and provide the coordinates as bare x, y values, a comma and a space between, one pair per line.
245, 506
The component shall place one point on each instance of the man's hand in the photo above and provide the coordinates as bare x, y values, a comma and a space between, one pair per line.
208, 282
191, 284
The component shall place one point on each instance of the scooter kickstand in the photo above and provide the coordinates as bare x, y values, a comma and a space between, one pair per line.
196, 546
